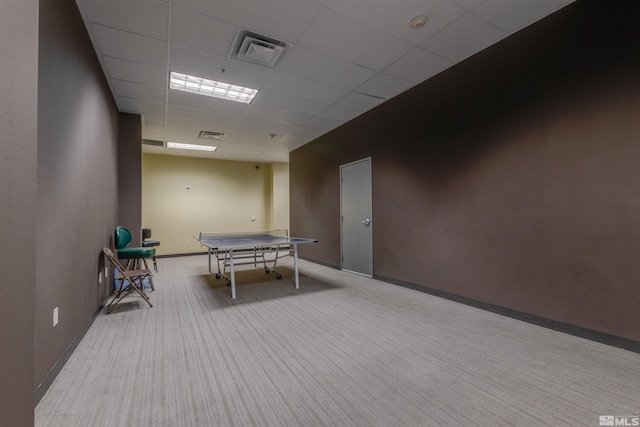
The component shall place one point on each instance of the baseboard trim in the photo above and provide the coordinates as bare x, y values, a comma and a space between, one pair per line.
315, 261
578, 331
44, 386
181, 255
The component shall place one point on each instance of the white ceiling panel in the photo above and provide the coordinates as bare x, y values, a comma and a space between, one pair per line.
144, 17
393, 17
359, 101
219, 68
351, 41
154, 119
139, 106
283, 20
135, 72
329, 117
133, 47
288, 103
216, 120
323, 68
135, 90
463, 38
289, 84
418, 64
201, 32
515, 14
255, 112
198, 102
384, 86
340, 59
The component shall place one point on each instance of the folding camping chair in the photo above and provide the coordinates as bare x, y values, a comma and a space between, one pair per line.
127, 281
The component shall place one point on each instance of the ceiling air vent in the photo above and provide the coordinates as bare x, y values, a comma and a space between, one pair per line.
153, 142
205, 134
259, 49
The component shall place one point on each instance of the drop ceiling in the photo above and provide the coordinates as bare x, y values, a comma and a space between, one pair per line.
340, 59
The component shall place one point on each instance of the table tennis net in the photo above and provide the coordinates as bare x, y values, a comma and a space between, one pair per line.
203, 236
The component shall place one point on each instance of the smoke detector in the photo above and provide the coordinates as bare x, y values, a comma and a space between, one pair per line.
259, 49
206, 134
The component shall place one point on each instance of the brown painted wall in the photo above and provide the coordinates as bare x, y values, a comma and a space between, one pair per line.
18, 155
77, 181
511, 178
130, 174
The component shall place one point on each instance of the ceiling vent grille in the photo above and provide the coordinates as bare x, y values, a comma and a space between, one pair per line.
205, 134
153, 142
259, 49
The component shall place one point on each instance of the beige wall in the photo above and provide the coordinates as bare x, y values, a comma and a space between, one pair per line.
223, 196
280, 196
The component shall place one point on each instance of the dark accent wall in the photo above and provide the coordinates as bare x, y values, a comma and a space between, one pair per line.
511, 178
18, 156
77, 182
130, 174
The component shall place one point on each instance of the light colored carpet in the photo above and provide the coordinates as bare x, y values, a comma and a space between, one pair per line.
343, 350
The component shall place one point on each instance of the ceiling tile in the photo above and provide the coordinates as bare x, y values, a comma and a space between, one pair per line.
287, 103
129, 46
515, 14
143, 17
417, 65
289, 84
463, 38
139, 106
154, 119
211, 66
206, 103
334, 115
325, 69
139, 91
201, 32
359, 101
218, 120
135, 72
256, 112
384, 86
284, 21
352, 41
393, 17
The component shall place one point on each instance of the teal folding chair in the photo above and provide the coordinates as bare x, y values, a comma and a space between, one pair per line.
136, 257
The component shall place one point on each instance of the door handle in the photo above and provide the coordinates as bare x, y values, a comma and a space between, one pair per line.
366, 222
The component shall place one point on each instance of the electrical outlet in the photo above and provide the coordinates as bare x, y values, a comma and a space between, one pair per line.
55, 316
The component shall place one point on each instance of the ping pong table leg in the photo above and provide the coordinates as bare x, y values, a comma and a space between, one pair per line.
233, 275
295, 264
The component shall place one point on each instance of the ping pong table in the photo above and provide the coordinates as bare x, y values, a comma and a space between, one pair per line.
243, 248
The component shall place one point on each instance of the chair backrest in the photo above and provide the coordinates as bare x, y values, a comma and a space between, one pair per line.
123, 237
113, 258
146, 233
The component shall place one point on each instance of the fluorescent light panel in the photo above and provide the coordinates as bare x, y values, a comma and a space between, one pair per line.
183, 146
202, 86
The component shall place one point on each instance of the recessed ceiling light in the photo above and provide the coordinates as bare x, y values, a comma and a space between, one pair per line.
418, 21
183, 146
206, 87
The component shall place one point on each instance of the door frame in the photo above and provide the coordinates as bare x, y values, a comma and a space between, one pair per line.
370, 160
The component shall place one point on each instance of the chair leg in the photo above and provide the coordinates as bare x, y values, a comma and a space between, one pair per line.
123, 292
153, 288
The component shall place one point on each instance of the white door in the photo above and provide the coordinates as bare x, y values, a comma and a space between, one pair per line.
355, 211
